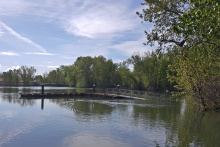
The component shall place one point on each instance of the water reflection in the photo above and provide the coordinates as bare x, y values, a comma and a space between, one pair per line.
42, 103
86, 110
180, 128
13, 98
78, 122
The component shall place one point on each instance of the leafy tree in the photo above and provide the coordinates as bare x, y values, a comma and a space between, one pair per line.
27, 74
39, 79
202, 21
193, 28
103, 72
70, 75
150, 70
57, 77
7, 78
164, 15
84, 71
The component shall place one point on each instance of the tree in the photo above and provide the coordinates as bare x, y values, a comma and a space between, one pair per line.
7, 78
70, 75
150, 70
84, 71
164, 15
27, 74
202, 21
193, 28
57, 77
127, 79
103, 72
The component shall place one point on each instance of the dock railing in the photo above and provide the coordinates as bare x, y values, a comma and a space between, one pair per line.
135, 93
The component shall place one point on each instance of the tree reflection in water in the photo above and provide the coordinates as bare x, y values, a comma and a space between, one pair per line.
183, 128
152, 122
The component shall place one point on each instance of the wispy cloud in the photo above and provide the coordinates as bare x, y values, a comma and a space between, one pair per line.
65, 57
53, 66
1, 32
46, 54
103, 18
13, 7
131, 47
12, 32
84, 18
8, 54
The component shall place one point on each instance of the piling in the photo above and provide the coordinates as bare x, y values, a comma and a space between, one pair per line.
93, 88
42, 88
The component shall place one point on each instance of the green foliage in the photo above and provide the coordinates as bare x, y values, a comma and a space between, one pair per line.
193, 27
197, 72
24, 75
27, 74
164, 16
125, 76
57, 77
203, 20
150, 70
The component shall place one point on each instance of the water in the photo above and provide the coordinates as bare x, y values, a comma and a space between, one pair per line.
97, 123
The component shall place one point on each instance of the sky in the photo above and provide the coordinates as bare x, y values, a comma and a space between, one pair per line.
49, 33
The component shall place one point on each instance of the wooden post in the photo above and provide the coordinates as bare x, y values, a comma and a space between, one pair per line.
93, 88
118, 87
42, 88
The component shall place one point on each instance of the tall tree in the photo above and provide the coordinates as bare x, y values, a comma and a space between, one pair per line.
193, 28
27, 74
84, 71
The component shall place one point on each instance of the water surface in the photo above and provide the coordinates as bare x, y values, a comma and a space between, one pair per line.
96, 123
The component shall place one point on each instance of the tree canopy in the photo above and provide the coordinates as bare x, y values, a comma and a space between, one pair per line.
192, 29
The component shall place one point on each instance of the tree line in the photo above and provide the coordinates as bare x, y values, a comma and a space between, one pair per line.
148, 72
16, 77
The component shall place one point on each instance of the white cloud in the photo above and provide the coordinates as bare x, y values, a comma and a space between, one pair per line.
53, 66
13, 67
47, 54
1, 32
9, 54
103, 18
13, 7
12, 32
65, 57
131, 47
35, 65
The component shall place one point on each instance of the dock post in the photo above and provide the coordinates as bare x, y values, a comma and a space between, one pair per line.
118, 87
93, 88
42, 88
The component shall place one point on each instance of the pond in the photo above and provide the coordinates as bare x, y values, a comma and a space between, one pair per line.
95, 123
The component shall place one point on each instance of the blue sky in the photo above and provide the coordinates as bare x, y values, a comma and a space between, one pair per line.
49, 33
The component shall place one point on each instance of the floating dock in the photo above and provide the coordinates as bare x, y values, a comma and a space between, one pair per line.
74, 95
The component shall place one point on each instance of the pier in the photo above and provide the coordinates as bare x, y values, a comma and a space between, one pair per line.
74, 95
111, 93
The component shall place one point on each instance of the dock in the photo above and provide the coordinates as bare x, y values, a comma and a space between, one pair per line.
74, 95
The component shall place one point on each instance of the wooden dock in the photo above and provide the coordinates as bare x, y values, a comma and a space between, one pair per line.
74, 95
